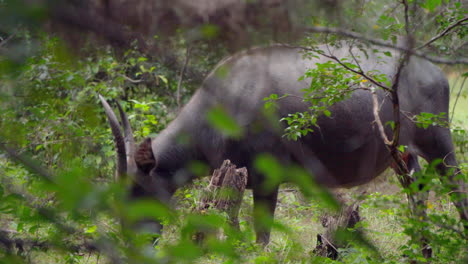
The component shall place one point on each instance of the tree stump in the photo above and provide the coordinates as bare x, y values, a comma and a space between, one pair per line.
224, 193
348, 217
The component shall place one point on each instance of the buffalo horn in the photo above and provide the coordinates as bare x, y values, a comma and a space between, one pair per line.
129, 142
118, 139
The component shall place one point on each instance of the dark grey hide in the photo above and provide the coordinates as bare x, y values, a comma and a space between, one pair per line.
346, 150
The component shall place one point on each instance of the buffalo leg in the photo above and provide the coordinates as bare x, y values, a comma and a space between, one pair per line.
264, 210
440, 147
449, 168
416, 200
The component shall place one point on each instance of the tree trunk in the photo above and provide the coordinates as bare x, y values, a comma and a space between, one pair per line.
224, 193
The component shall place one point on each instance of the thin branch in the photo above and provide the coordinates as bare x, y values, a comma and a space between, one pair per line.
28, 163
130, 79
8, 242
444, 32
332, 57
3, 42
406, 12
360, 72
424, 20
354, 58
456, 100
181, 76
395, 99
415, 121
378, 121
343, 92
368, 39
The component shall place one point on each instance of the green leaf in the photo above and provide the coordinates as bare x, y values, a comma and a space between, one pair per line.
210, 31
91, 229
431, 5
147, 209
223, 122
185, 250
198, 168
98, 160
164, 79
271, 168
391, 124
33, 229
402, 148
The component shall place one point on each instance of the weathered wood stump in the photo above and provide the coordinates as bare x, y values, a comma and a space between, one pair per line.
348, 217
224, 193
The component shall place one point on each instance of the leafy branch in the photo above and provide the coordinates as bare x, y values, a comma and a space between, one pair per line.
444, 32
382, 43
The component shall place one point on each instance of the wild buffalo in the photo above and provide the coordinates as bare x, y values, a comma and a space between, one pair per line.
346, 149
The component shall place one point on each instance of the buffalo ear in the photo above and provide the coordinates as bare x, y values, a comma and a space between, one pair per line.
144, 157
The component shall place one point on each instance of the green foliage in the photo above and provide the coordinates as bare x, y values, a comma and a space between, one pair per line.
425, 120
224, 122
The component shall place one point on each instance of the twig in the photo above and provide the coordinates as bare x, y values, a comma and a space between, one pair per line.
130, 79
354, 58
355, 35
360, 72
62, 140
28, 163
329, 243
456, 100
181, 76
421, 20
332, 57
378, 120
415, 121
406, 12
22, 243
444, 32
3, 42
343, 92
